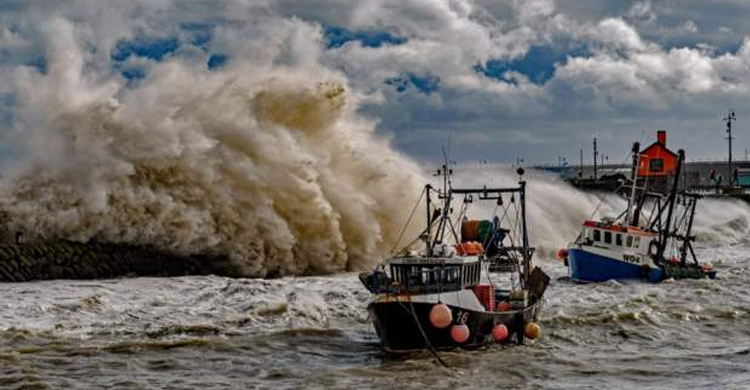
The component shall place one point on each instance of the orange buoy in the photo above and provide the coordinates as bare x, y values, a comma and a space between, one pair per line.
460, 333
532, 330
441, 316
499, 333
504, 306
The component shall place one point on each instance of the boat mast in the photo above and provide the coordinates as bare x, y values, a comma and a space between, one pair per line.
665, 233
632, 219
446, 196
428, 236
526, 254
688, 238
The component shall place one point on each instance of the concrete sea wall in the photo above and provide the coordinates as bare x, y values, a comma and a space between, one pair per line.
73, 260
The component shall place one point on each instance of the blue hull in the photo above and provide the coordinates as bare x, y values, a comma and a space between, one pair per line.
590, 267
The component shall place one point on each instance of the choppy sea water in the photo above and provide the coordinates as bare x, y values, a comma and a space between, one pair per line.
219, 333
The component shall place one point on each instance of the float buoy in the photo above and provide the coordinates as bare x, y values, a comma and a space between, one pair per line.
499, 333
460, 333
653, 249
441, 316
532, 330
562, 254
504, 306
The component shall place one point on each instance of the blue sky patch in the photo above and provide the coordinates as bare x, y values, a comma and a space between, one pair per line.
216, 61
426, 84
7, 105
200, 33
152, 48
538, 64
39, 63
339, 36
133, 75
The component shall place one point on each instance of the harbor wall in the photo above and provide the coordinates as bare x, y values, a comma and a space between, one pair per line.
73, 260
696, 173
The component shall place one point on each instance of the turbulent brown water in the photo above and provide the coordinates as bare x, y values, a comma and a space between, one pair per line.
313, 332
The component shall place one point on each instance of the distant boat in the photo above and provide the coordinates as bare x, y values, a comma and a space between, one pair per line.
462, 291
631, 247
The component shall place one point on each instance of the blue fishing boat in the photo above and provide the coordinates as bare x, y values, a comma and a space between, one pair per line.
650, 245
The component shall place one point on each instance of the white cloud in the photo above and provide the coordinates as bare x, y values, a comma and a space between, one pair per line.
632, 65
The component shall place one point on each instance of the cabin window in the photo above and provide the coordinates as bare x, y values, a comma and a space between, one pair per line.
656, 165
597, 235
637, 241
607, 237
618, 240
629, 241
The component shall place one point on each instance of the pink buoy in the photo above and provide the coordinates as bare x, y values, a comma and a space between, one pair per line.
460, 333
441, 316
499, 333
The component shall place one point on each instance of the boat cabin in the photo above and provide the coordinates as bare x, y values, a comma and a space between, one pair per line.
615, 237
438, 274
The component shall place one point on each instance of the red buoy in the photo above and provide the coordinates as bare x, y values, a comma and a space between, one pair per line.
499, 333
460, 333
441, 316
562, 254
504, 306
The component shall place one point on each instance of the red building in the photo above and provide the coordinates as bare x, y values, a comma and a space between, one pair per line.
656, 160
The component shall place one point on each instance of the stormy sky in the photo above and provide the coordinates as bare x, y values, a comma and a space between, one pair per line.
534, 79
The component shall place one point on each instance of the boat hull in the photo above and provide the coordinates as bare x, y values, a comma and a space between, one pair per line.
587, 266
402, 325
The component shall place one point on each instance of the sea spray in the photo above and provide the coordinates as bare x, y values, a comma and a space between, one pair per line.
272, 168
556, 210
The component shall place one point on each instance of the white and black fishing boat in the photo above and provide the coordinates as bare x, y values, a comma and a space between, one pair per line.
469, 287
650, 246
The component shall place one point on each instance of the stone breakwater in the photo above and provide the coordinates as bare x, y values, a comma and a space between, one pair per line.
74, 260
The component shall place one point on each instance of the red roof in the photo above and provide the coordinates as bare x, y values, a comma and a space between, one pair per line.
662, 147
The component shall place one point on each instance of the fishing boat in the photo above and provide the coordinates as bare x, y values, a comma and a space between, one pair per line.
651, 246
472, 285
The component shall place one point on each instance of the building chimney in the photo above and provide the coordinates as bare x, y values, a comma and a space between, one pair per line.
661, 137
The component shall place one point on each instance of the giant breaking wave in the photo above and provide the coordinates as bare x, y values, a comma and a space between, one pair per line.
269, 166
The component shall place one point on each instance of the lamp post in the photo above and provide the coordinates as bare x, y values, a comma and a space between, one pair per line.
730, 117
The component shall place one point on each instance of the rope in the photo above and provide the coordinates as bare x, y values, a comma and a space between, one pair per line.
430, 347
601, 200
408, 221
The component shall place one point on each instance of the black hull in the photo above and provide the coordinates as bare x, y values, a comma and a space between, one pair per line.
399, 331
